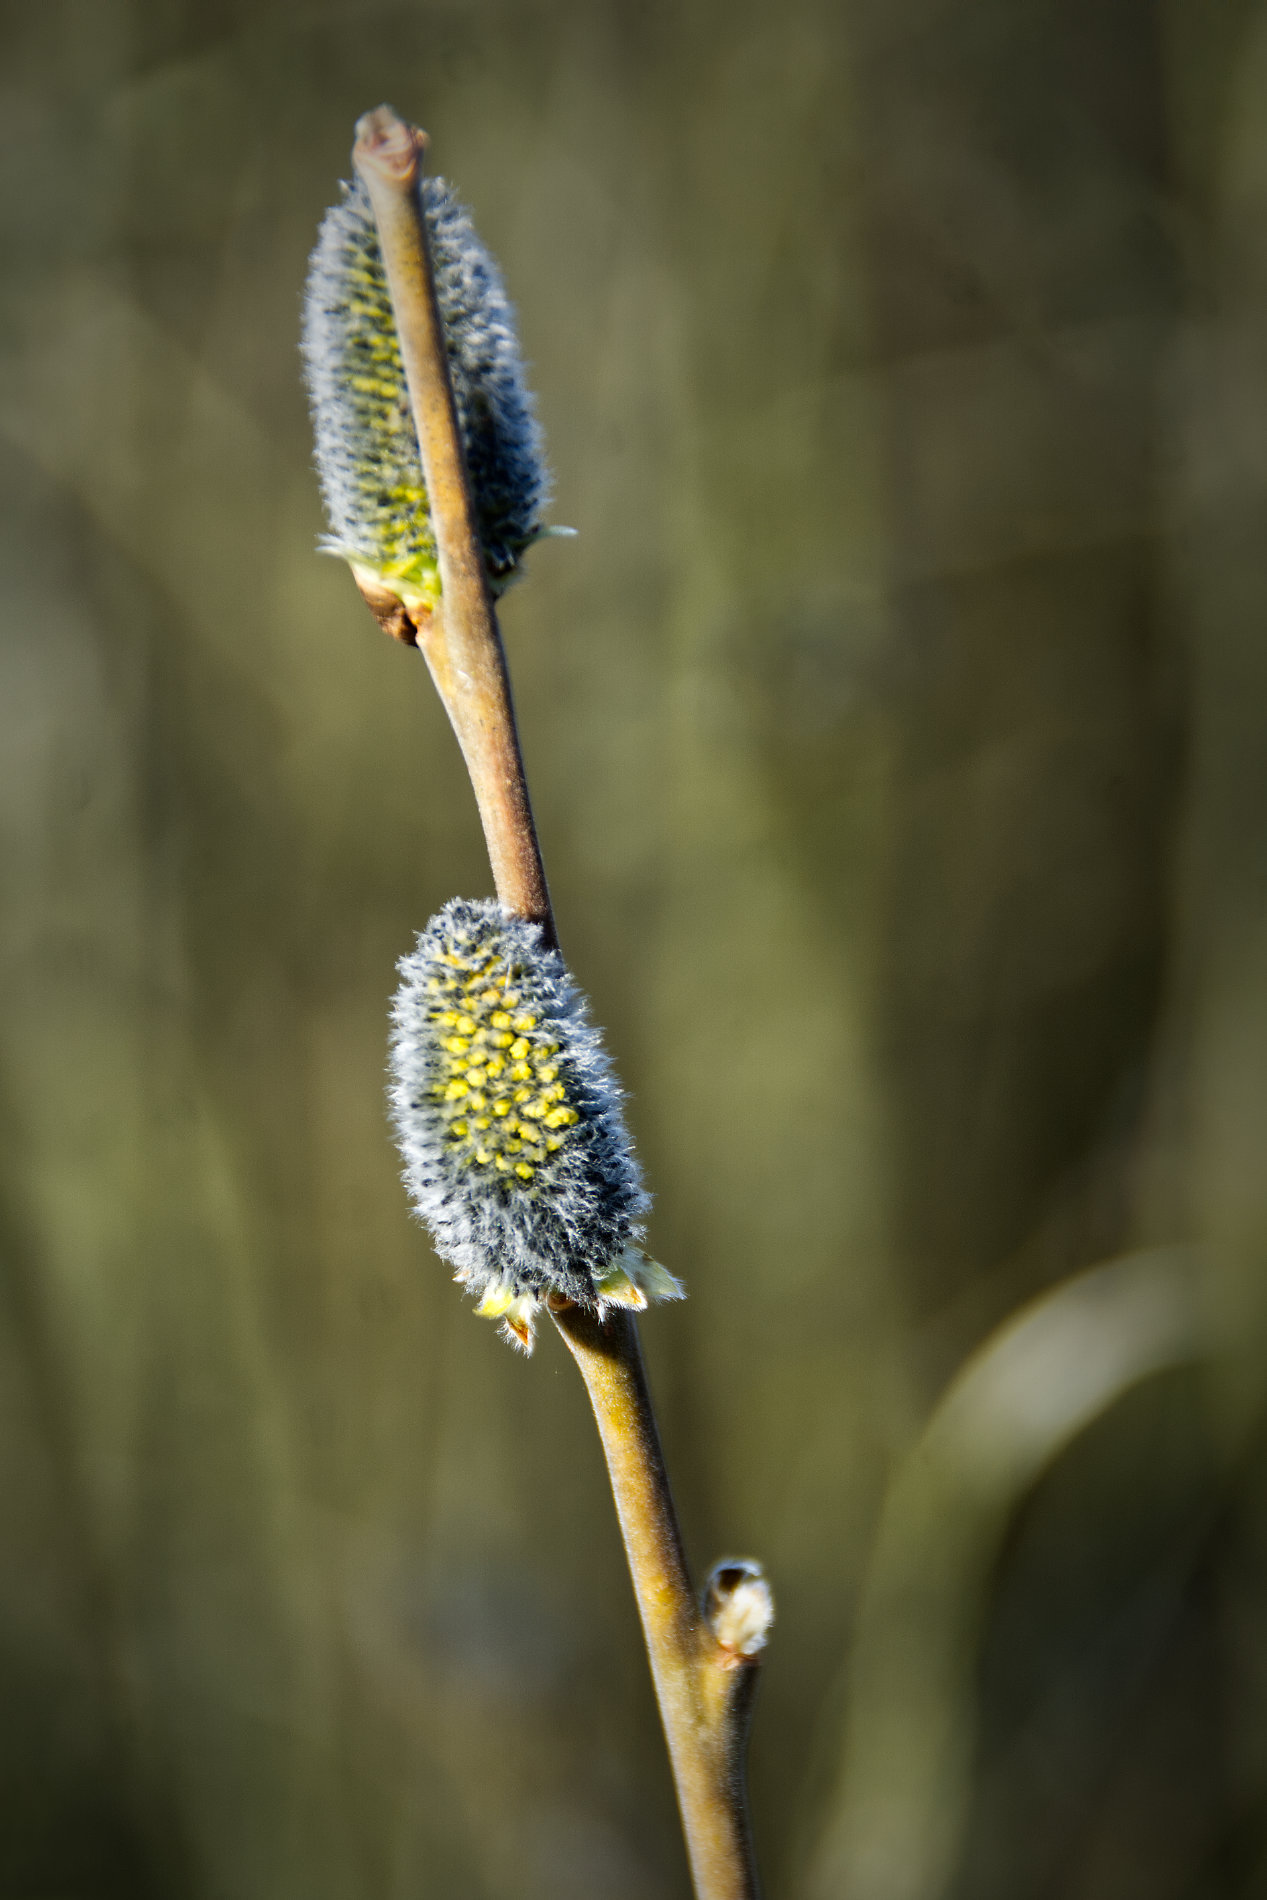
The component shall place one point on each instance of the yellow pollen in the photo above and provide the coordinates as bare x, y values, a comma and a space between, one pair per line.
465, 1026
460, 1128
455, 1091
521, 1073
523, 1170
501, 1108
482, 1121
548, 1073
518, 1050
524, 1023
499, 1019
456, 1045
501, 1164
483, 1157
561, 1118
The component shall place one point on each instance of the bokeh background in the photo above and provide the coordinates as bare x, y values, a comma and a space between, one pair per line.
896, 727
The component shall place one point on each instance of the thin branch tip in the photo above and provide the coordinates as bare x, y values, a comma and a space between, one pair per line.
462, 644
389, 147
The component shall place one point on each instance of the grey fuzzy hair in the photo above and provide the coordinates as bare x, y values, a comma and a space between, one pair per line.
501, 436
590, 1201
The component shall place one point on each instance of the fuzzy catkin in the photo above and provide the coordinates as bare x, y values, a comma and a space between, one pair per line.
366, 445
508, 1114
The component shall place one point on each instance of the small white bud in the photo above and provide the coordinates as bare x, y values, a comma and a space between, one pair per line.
739, 1606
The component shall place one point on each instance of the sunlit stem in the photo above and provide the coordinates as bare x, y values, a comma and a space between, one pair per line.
703, 1684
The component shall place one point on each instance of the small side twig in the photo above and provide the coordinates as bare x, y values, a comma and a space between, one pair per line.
703, 1685
703, 1665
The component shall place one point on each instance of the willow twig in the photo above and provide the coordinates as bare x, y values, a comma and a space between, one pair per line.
702, 1666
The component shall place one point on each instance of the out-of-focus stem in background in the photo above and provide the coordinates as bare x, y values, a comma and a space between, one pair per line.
895, 1825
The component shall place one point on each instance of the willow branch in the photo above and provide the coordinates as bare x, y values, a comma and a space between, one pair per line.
703, 1666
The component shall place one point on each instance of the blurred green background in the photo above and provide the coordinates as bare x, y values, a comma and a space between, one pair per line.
896, 728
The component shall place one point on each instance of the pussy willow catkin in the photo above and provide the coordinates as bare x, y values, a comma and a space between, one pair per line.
366, 446
510, 1123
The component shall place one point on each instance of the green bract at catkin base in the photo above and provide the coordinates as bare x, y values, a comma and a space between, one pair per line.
366, 444
510, 1123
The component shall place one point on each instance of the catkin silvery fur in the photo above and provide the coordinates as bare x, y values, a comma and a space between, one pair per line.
366, 445
510, 1122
